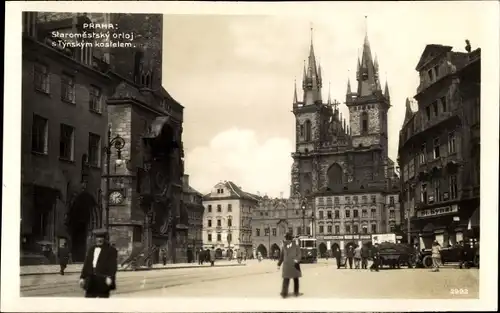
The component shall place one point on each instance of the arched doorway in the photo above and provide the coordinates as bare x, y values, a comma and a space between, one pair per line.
218, 253
230, 254
263, 251
275, 251
83, 217
322, 249
335, 246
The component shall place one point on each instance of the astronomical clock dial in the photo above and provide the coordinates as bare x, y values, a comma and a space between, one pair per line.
116, 197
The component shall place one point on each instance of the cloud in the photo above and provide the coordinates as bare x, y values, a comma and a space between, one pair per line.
237, 155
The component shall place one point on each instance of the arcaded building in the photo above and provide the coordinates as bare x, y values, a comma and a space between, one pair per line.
271, 220
227, 219
439, 146
342, 176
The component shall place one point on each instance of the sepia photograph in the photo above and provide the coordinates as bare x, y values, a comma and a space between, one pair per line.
328, 159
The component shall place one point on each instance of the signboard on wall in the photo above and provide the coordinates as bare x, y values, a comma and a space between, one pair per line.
379, 238
438, 211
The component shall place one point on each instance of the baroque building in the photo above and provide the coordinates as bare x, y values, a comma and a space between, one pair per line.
227, 219
97, 100
439, 146
342, 177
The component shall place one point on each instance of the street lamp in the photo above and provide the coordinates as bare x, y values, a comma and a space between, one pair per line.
118, 143
268, 228
229, 238
304, 206
313, 225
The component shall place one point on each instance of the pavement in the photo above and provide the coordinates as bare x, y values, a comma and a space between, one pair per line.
77, 268
263, 279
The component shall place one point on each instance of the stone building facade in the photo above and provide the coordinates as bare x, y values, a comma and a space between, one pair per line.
193, 202
64, 119
227, 219
439, 148
333, 159
271, 220
145, 175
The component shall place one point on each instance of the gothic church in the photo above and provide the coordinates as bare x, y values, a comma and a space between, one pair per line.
338, 166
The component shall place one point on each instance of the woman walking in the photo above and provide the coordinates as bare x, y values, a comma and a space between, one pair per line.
436, 256
357, 257
290, 258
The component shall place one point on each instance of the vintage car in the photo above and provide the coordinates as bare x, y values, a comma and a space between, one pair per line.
451, 255
396, 255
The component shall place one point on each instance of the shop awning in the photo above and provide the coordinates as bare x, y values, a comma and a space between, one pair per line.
474, 220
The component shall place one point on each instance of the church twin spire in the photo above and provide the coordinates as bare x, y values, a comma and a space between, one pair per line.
312, 80
367, 72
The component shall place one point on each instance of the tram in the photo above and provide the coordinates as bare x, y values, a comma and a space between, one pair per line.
308, 249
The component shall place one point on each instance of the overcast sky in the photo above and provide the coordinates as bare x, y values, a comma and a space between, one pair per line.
235, 77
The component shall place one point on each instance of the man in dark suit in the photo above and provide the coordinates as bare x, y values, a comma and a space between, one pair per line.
63, 256
337, 254
376, 258
98, 275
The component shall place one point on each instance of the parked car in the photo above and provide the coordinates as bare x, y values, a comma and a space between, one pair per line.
396, 255
450, 255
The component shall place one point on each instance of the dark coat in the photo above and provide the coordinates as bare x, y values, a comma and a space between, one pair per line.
365, 252
95, 278
212, 255
337, 253
290, 259
350, 252
63, 255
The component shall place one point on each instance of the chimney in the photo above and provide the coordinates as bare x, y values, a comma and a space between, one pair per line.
185, 180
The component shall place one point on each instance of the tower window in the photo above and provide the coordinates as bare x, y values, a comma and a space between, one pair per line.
364, 122
307, 130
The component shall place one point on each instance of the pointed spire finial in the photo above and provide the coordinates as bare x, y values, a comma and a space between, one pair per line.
348, 86
295, 98
366, 26
329, 93
312, 32
386, 89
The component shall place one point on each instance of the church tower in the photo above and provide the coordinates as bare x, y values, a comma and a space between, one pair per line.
369, 105
307, 111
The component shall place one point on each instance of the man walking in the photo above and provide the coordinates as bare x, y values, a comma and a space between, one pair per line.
63, 256
365, 253
357, 257
98, 275
212, 256
337, 254
290, 259
375, 257
350, 255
